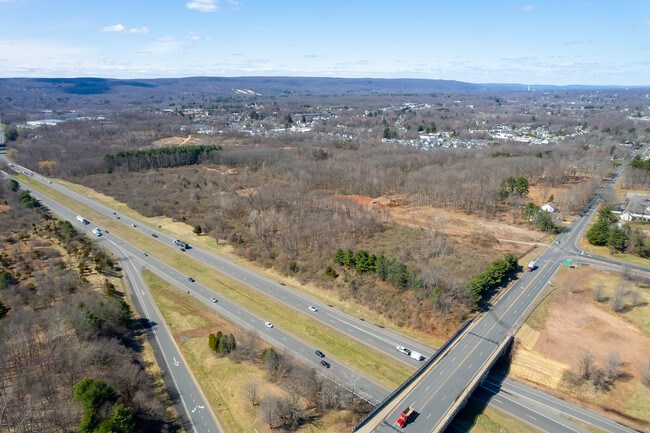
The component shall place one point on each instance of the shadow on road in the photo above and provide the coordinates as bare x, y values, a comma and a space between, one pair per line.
468, 417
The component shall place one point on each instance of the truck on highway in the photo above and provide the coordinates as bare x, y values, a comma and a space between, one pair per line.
405, 416
416, 355
181, 244
82, 220
531, 266
97, 231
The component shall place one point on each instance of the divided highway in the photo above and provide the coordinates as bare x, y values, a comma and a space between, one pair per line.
376, 337
439, 393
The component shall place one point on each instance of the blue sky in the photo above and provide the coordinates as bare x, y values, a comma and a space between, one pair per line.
488, 41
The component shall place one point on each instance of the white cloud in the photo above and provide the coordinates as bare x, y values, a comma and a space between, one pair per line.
526, 8
192, 37
646, 24
115, 28
140, 30
203, 5
168, 38
120, 28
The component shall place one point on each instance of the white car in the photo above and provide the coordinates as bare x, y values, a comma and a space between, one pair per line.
213, 299
133, 225
268, 324
312, 308
404, 350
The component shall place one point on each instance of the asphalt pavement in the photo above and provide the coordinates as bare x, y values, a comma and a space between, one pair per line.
372, 335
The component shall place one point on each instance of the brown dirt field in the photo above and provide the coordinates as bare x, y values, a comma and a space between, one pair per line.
176, 141
453, 223
536, 190
576, 323
4, 208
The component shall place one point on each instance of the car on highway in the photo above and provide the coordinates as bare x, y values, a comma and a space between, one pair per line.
49, 181
114, 213
145, 254
183, 249
133, 225
154, 235
312, 308
213, 299
325, 364
268, 324
118, 217
319, 353
404, 350
190, 279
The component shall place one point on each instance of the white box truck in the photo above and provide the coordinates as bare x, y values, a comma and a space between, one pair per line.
82, 220
416, 355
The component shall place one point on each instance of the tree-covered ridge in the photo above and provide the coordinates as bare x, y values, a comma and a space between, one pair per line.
135, 160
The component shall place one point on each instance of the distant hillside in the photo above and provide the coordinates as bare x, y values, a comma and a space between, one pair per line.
17, 94
229, 86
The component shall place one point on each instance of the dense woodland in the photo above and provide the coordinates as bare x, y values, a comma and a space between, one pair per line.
281, 198
69, 357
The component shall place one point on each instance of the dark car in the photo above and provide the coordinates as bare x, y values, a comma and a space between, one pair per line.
321, 354
154, 235
183, 249
325, 364
190, 279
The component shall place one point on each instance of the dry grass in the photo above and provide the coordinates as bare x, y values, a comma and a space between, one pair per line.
527, 336
475, 418
536, 368
376, 366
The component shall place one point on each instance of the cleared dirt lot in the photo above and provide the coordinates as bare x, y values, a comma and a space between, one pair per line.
571, 322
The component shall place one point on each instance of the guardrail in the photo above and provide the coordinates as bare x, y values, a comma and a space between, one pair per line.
414, 376
467, 392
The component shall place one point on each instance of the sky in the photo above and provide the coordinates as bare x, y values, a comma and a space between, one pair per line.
557, 42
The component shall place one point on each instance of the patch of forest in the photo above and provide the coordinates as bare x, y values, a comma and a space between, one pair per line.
70, 358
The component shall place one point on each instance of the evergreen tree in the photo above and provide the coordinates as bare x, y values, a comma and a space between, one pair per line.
339, 256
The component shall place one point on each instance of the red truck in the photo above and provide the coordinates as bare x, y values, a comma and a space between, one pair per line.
405, 416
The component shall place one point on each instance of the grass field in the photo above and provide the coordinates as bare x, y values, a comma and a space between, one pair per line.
475, 418
220, 378
369, 362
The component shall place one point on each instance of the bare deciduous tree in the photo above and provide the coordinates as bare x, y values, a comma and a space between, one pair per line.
617, 301
613, 366
586, 364
269, 409
252, 391
598, 291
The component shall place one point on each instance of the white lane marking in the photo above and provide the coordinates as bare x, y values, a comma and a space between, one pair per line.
428, 416
176, 363
427, 388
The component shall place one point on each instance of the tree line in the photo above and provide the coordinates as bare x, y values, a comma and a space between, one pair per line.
494, 276
608, 231
135, 160
390, 270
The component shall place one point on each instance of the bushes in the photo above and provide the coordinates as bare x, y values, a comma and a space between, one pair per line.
391, 271
606, 232
221, 343
495, 274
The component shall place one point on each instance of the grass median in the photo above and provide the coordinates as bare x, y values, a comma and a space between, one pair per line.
182, 230
371, 363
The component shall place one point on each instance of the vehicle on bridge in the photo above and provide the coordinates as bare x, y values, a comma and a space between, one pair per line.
531, 266
405, 416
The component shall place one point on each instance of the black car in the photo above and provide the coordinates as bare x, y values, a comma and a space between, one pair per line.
190, 279
183, 249
321, 354
325, 364
154, 235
